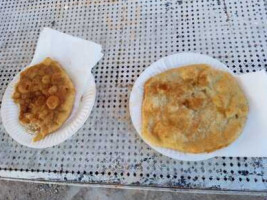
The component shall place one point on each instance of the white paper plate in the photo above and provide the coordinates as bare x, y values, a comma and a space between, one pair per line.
164, 64
10, 115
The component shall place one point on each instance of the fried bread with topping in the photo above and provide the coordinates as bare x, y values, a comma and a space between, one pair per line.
45, 95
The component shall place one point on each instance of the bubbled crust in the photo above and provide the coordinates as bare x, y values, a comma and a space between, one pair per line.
45, 94
193, 109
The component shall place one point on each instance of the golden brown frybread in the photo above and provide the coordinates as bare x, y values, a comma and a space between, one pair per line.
193, 109
45, 95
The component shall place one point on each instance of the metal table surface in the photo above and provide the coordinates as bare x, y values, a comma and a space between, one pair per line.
133, 33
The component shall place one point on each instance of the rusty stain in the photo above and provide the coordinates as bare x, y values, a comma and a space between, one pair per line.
100, 2
125, 21
129, 86
132, 35
76, 3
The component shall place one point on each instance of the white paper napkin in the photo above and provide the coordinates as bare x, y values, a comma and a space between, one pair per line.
76, 55
253, 140
251, 143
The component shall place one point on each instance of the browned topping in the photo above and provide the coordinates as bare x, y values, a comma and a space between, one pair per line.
52, 102
44, 101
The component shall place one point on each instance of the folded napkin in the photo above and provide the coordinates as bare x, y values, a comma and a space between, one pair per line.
253, 140
77, 56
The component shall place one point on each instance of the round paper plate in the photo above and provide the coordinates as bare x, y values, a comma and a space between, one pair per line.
164, 64
10, 115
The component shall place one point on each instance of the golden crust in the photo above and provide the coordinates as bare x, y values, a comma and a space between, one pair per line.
193, 109
45, 94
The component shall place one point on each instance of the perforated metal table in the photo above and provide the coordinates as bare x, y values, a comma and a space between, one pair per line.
133, 33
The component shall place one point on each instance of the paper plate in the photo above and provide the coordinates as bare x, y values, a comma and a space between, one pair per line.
164, 64
10, 115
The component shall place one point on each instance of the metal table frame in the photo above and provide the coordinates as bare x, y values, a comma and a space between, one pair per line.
134, 33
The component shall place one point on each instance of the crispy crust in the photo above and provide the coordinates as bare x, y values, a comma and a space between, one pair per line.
193, 109
45, 95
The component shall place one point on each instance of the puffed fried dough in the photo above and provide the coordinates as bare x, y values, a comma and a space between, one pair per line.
193, 109
45, 95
